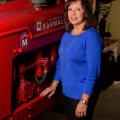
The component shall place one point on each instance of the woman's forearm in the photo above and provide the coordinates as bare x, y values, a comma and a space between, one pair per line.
54, 84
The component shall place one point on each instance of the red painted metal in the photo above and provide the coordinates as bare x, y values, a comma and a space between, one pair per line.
25, 29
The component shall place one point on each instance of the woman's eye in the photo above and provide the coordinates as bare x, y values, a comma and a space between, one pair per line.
78, 9
69, 9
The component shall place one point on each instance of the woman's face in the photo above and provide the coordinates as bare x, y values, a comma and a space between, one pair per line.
76, 13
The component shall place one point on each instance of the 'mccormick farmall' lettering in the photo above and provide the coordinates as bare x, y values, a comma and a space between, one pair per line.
50, 23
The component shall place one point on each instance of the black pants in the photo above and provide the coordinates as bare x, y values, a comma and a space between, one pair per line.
70, 107
71, 104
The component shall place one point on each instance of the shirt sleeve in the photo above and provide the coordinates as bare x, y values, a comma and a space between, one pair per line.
57, 75
93, 59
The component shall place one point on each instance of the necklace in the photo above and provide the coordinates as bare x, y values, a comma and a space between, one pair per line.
63, 49
64, 54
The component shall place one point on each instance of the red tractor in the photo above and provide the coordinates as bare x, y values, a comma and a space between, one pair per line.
30, 31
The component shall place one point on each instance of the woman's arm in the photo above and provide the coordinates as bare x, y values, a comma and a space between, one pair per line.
50, 90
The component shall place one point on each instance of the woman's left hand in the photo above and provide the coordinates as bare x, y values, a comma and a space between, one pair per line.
81, 109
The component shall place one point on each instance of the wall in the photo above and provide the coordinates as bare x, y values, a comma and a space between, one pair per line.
114, 19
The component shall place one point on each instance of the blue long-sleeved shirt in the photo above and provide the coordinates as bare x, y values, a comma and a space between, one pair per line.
78, 65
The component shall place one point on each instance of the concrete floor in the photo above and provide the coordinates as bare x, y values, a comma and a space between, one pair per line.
107, 108
108, 105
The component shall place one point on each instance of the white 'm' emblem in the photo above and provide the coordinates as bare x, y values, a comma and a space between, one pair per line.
24, 40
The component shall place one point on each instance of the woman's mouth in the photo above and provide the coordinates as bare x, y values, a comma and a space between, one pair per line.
73, 18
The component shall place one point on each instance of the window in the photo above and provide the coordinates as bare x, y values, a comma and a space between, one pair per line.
44, 3
5, 1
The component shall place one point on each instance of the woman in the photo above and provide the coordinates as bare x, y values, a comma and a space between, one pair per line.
78, 65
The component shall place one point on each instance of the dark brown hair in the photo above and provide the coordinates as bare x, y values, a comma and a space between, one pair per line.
89, 17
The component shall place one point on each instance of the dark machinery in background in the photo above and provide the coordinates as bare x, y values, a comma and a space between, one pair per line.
102, 11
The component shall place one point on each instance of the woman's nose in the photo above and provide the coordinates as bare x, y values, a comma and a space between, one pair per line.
73, 12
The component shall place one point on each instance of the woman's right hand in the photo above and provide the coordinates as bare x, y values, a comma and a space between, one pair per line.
50, 90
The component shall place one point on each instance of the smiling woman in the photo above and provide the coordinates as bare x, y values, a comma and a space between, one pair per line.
79, 61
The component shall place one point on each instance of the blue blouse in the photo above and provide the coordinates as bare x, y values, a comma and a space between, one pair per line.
79, 62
